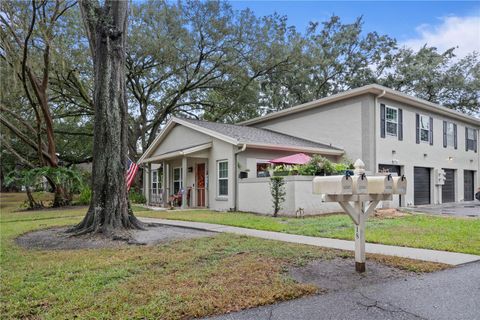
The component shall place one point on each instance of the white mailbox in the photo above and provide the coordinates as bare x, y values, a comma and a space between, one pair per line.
399, 185
360, 184
358, 196
380, 184
333, 185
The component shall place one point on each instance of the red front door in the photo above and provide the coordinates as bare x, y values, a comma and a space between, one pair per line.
200, 184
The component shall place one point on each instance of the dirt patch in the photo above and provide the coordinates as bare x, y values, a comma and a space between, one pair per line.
389, 213
339, 274
58, 239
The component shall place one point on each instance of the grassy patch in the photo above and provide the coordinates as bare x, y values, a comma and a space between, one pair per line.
179, 280
418, 231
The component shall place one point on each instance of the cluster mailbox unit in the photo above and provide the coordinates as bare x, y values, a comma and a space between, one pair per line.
358, 195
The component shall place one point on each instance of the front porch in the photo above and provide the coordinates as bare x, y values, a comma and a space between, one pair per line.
178, 179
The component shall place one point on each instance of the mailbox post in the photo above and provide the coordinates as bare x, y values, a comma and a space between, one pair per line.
359, 196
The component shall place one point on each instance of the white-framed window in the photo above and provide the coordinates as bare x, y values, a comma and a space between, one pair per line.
470, 139
177, 180
450, 132
222, 174
391, 121
154, 181
262, 168
424, 128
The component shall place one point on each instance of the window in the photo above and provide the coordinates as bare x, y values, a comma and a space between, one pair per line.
154, 181
177, 180
424, 128
391, 121
450, 132
222, 167
262, 168
470, 139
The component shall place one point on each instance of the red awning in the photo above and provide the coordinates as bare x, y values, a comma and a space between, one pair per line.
299, 158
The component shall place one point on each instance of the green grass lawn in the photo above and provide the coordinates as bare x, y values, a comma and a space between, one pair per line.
415, 230
178, 280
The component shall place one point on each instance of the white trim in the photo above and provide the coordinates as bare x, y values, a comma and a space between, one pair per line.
373, 89
218, 179
295, 149
386, 121
180, 181
174, 154
420, 128
448, 123
169, 126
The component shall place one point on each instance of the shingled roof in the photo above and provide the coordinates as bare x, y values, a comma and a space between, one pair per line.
252, 135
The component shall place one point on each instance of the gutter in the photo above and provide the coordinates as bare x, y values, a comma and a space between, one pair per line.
235, 201
378, 96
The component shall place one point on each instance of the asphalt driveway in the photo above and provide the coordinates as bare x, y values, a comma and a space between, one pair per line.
450, 294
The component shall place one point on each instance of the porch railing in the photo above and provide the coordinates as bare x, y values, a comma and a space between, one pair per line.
156, 197
195, 197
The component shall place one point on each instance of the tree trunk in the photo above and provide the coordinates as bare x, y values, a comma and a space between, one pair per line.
61, 197
32, 203
109, 210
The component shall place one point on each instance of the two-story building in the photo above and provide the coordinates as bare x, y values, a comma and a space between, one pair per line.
388, 130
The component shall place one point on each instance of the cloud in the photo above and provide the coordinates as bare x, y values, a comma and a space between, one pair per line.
461, 32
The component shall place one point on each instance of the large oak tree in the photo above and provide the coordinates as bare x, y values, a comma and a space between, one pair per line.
106, 29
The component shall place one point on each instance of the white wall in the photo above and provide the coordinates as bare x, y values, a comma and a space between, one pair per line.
254, 196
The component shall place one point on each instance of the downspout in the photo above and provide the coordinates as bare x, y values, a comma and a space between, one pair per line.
244, 147
375, 129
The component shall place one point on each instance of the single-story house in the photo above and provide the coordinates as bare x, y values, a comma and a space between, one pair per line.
202, 162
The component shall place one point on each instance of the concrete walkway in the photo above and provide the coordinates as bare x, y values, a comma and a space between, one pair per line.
451, 258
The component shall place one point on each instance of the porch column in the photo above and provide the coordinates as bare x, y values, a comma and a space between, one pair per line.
164, 185
184, 182
149, 183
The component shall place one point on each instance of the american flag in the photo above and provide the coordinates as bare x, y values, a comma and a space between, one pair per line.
131, 172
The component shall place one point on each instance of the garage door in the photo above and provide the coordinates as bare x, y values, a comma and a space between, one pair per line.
448, 189
468, 185
421, 185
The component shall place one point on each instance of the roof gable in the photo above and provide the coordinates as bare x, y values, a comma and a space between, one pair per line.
242, 135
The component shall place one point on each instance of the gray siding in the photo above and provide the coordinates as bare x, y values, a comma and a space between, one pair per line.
180, 137
340, 124
409, 154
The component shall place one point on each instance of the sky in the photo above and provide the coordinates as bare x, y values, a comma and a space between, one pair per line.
442, 24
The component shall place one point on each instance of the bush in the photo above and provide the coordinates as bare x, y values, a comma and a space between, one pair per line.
277, 190
136, 197
340, 168
85, 196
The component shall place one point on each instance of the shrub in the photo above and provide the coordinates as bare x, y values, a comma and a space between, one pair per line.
136, 197
85, 196
277, 190
340, 168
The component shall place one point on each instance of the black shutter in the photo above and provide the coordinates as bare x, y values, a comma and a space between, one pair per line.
431, 131
400, 124
455, 136
382, 120
466, 139
444, 134
475, 139
417, 120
